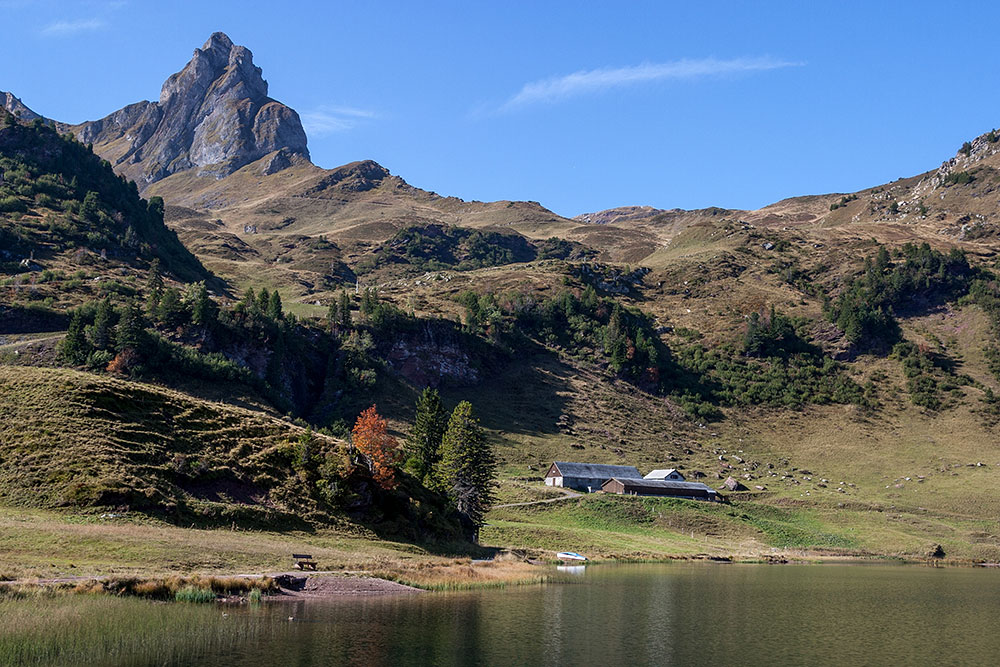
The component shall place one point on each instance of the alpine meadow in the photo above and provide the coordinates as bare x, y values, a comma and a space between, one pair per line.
220, 362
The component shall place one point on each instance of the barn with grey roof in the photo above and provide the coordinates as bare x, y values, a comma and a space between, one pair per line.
587, 476
660, 487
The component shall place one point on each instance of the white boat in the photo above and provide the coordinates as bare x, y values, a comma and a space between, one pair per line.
570, 555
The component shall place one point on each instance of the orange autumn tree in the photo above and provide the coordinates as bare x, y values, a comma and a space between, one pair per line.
371, 437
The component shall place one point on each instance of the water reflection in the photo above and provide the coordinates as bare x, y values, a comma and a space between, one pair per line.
680, 614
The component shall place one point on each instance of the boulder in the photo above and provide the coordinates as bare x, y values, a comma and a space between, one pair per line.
733, 484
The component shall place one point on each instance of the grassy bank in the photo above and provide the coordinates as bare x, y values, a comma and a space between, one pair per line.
614, 528
45, 544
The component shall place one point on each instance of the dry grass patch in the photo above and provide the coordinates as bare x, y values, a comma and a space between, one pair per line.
464, 573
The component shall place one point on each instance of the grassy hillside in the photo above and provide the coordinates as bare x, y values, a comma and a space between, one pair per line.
72, 439
837, 354
61, 204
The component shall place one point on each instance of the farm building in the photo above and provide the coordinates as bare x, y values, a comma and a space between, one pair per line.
659, 487
668, 474
587, 476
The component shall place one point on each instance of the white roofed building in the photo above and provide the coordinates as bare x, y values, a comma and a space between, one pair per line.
669, 474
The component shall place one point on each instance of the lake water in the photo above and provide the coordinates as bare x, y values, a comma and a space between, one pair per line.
672, 614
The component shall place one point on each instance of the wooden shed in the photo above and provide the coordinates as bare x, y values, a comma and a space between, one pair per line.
660, 487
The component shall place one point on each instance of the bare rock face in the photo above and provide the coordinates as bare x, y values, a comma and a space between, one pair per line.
12, 104
214, 117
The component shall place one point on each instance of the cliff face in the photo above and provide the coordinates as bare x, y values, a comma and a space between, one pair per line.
12, 104
214, 116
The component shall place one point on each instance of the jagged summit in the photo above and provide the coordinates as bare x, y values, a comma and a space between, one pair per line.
213, 116
14, 105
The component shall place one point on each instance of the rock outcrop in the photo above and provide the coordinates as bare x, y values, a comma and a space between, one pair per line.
214, 117
12, 104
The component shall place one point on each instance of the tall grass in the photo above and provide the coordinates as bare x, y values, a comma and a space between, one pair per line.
182, 589
194, 594
103, 630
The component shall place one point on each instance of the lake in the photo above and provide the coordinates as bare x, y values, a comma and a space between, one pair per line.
682, 614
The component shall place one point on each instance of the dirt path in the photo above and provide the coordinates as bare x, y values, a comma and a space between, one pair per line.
29, 341
567, 495
336, 586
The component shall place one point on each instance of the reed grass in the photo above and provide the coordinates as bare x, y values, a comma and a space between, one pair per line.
194, 594
104, 630
178, 588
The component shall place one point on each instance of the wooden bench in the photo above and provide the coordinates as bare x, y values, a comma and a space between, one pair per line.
304, 562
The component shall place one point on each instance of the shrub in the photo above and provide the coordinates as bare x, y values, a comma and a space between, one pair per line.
12, 205
959, 178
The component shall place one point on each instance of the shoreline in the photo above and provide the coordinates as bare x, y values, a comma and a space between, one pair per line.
457, 576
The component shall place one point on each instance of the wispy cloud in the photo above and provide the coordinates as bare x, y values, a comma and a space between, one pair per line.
63, 28
325, 120
597, 80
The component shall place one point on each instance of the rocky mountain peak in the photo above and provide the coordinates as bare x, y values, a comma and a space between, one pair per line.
213, 116
14, 105
219, 60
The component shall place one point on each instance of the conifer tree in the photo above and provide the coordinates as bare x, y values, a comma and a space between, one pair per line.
424, 440
345, 309
333, 314
131, 331
101, 331
248, 302
90, 209
155, 280
202, 307
74, 347
467, 466
263, 302
273, 305
616, 340
170, 310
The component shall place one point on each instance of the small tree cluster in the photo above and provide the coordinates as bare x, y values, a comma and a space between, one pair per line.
340, 311
110, 332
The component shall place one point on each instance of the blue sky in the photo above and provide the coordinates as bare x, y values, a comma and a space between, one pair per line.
580, 106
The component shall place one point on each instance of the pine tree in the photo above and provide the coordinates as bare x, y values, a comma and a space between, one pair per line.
617, 343
248, 303
202, 307
424, 440
333, 314
90, 208
101, 331
155, 279
369, 301
131, 331
273, 305
171, 310
263, 302
467, 466
345, 309
74, 348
